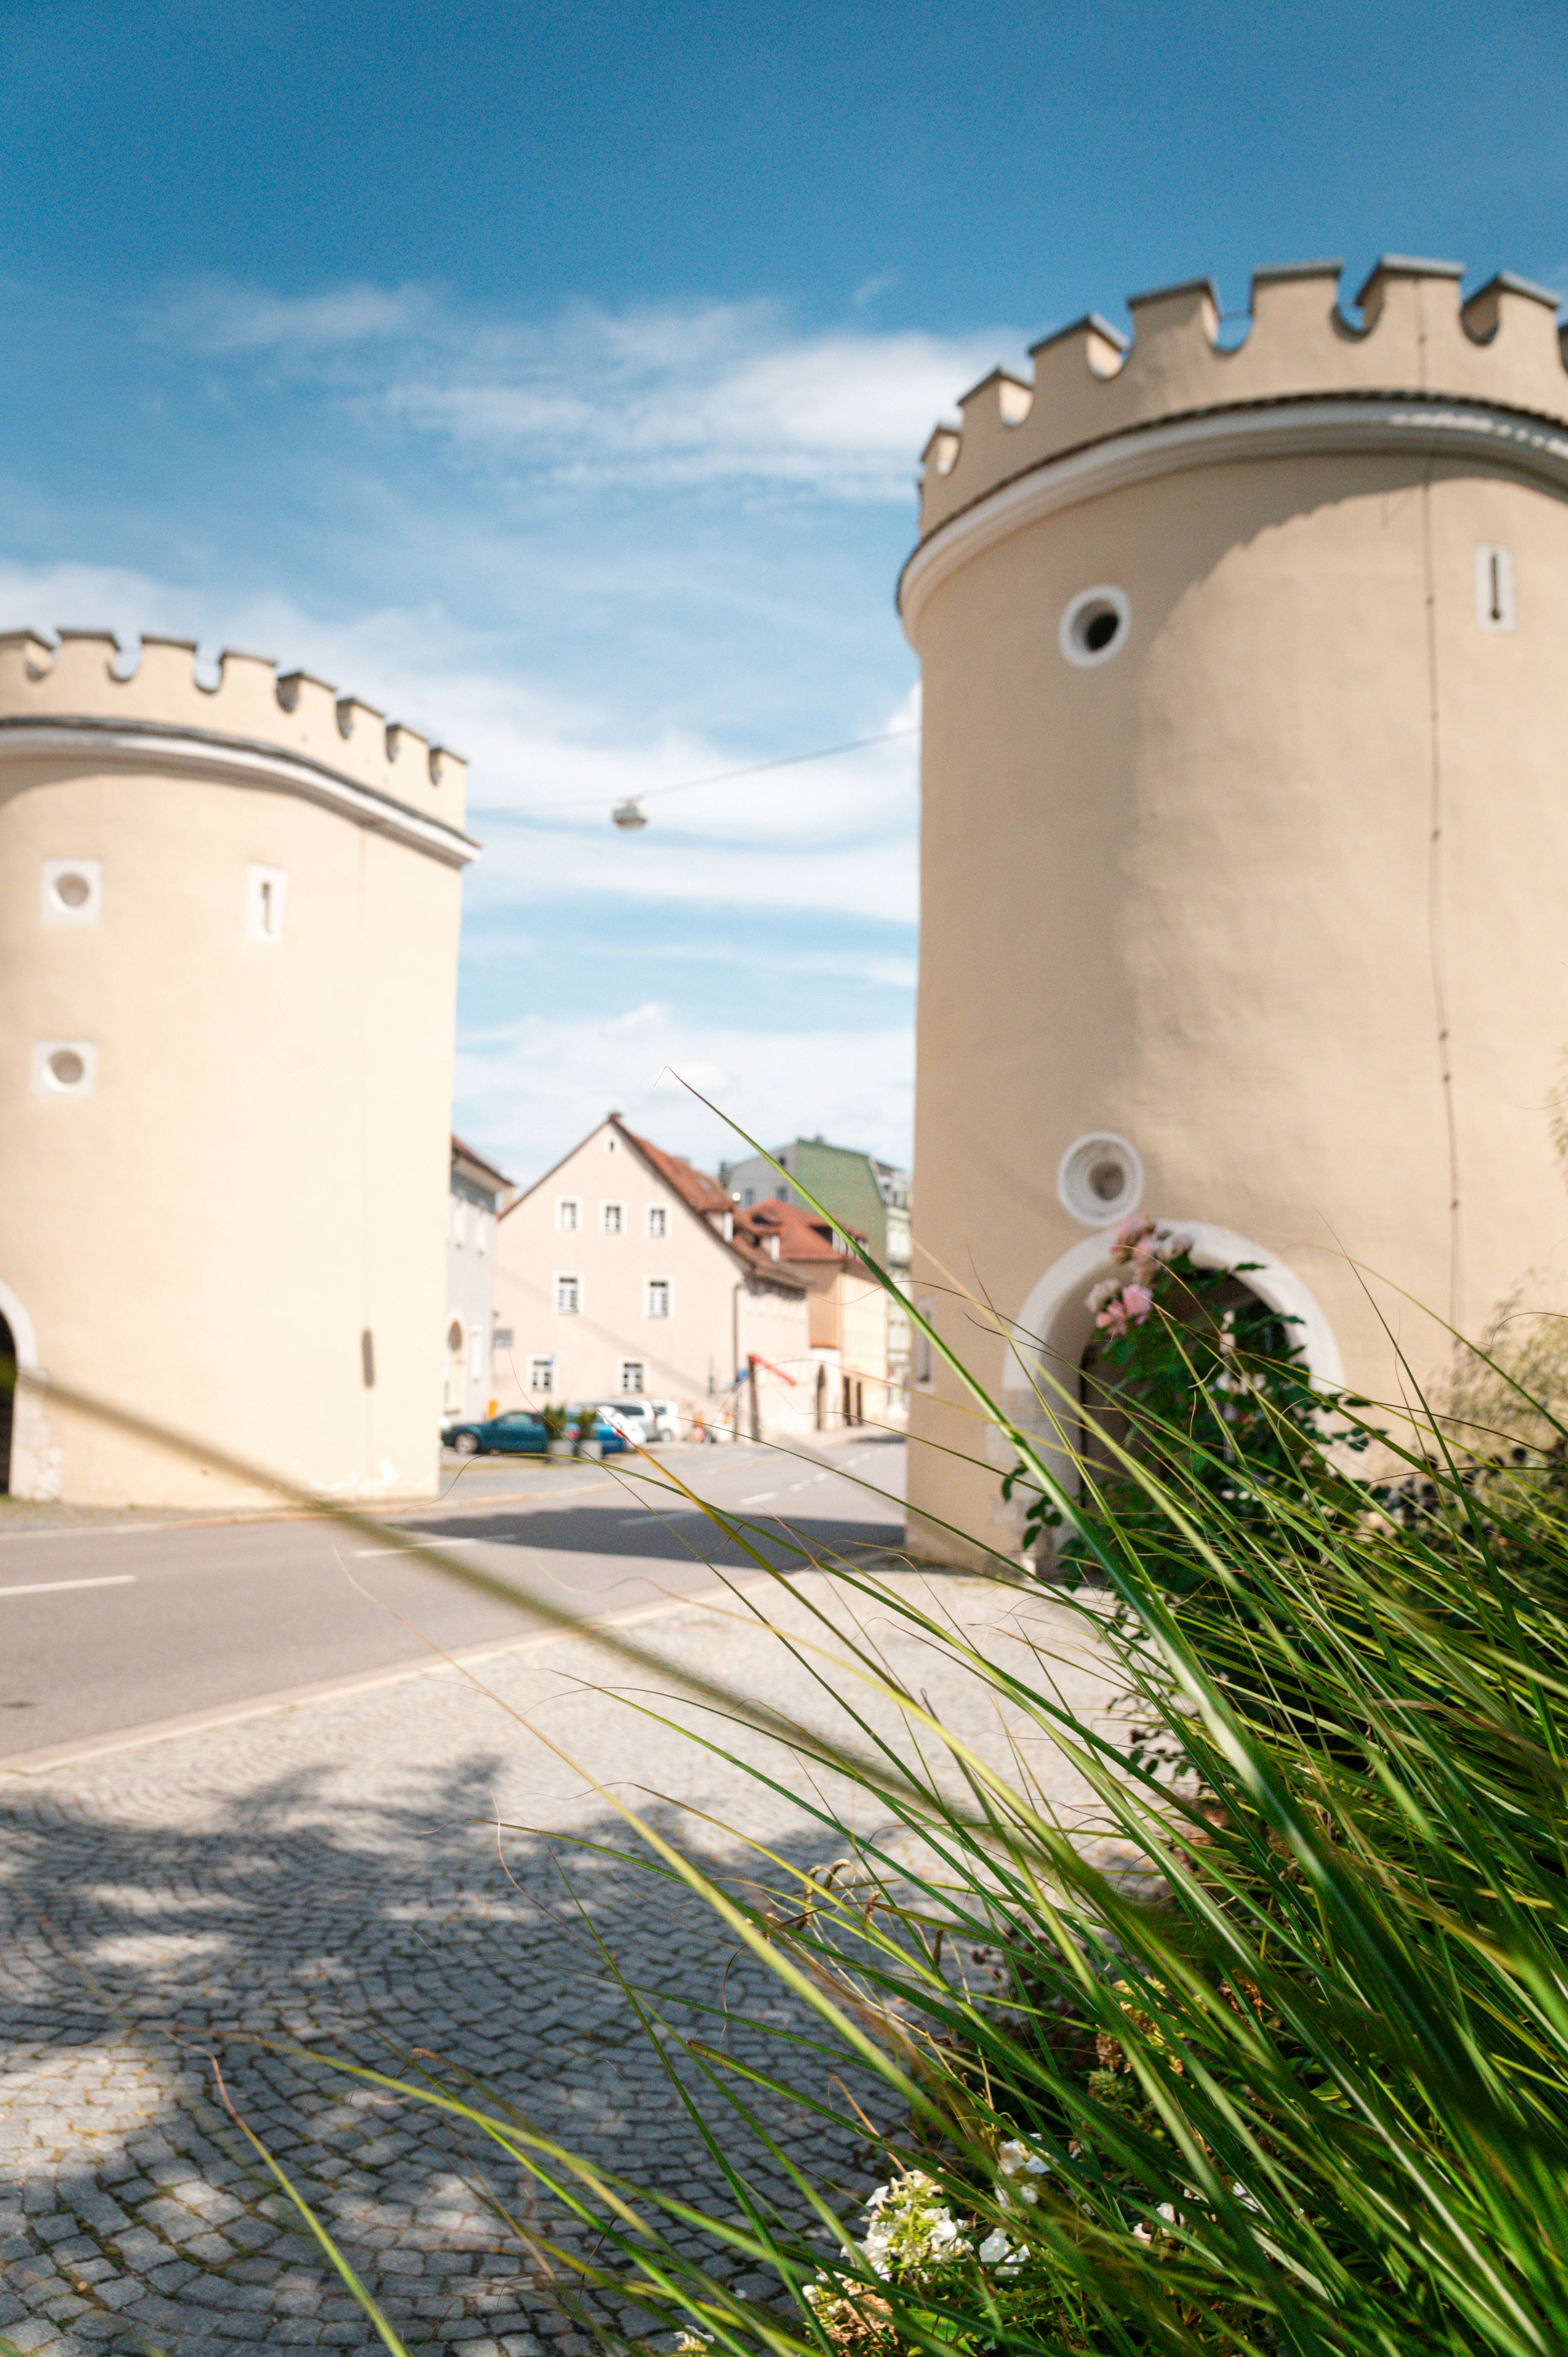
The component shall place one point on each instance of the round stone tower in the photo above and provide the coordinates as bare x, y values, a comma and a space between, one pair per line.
228, 951
1245, 825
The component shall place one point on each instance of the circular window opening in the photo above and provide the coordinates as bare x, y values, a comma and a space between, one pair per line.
1094, 625
1100, 1180
67, 1068
72, 889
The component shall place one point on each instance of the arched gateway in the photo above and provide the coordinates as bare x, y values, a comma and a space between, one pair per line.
1054, 1330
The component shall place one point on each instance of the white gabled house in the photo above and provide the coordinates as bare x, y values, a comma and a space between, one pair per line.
625, 1271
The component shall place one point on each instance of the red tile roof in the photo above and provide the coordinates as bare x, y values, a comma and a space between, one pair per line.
696, 1187
802, 1236
479, 1161
710, 1201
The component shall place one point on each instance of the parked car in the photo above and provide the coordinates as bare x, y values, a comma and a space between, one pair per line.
611, 1441
518, 1433
644, 1420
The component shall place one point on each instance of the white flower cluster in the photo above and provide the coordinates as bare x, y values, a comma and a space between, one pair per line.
912, 2233
912, 2230
1017, 2164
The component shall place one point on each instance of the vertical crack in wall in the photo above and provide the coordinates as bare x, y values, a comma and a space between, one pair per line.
1438, 935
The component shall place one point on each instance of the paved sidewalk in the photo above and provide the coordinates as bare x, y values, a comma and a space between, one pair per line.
333, 1874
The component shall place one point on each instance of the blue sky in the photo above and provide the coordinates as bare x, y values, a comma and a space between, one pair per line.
555, 378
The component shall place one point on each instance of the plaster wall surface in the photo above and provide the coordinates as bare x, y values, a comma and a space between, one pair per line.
468, 1378
1242, 893
257, 1178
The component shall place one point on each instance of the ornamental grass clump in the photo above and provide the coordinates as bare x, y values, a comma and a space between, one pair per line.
1274, 2054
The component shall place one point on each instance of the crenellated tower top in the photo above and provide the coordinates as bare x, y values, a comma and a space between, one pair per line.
250, 713
1498, 362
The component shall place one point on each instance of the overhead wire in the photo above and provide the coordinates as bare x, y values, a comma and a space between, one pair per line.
588, 802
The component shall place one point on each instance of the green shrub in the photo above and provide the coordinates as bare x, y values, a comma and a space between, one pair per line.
1303, 2086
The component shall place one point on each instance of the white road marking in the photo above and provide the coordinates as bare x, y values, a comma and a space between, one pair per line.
426, 1538
50, 1586
761, 1498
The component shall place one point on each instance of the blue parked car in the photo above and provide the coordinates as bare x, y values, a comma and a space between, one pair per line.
519, 1433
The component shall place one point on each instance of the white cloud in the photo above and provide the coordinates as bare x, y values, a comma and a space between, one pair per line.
534, 1090
687, 397
215, 316
661, 397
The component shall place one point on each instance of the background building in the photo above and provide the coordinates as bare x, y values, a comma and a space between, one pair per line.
625, 1271
477, 1189
1245, 841
846, 1313
228, 952
865, 1197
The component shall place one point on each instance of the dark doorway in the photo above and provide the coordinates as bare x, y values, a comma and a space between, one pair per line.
7, 1402
1103, 1428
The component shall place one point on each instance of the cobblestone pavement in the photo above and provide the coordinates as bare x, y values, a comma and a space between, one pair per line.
334, 1874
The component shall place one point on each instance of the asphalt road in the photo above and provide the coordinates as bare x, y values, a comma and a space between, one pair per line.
117, 1626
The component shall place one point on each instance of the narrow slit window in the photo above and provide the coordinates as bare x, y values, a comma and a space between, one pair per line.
1496, 604
266, 889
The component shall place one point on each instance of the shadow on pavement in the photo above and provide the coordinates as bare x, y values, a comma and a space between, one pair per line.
137, 1946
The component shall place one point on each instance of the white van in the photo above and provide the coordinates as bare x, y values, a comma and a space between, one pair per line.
643, 1419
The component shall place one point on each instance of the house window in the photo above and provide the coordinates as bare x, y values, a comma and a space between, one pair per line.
264, 892
455, 1368
568, 1211
73, 892
631, 1379
658, 1301
614, 1217
748, 1198
658, 1220
541, 1376
566, 1291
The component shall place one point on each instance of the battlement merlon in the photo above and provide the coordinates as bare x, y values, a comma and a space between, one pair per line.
87, 677
1415, 338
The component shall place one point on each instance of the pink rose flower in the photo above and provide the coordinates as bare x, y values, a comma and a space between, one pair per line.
1129, 1235
1114, 1317
1137, 1301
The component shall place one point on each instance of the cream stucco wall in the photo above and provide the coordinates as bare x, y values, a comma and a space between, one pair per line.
1222, 893
260, 1173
